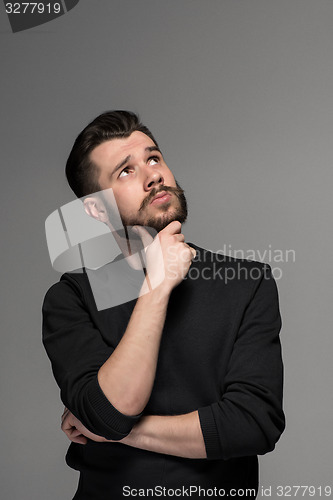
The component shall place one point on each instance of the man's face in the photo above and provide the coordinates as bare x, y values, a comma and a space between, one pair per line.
144, 187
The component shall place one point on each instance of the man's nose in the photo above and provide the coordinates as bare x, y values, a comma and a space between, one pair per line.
153, 180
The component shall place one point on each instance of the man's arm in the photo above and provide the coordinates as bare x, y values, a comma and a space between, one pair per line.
178, 435
125, 378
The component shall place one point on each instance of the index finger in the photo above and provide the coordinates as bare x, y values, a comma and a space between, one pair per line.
173, 227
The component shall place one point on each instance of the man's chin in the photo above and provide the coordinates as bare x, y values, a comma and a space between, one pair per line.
160, 222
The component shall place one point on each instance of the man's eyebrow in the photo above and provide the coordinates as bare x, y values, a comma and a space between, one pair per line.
153, 148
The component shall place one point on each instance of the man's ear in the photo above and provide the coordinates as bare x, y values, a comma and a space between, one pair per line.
95, 208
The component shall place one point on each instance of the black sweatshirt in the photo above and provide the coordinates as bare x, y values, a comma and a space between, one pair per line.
220, 354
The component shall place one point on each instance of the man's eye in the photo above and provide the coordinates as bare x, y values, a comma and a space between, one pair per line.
125, 171
153, 160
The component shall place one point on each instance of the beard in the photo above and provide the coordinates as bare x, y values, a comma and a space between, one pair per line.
165, 215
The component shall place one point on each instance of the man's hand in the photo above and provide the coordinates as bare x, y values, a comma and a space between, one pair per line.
75, 431
168, 257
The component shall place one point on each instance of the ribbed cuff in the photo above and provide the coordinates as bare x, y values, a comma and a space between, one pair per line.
209, 432
119, 425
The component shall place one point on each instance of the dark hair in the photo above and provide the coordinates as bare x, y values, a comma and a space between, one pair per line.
81, 172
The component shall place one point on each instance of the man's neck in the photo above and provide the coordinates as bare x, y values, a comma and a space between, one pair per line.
130, 245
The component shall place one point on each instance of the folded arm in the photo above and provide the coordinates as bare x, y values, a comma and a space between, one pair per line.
178, 435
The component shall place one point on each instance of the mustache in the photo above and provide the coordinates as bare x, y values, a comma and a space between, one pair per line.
178, 191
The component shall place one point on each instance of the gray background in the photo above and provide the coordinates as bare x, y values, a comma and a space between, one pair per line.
239, 96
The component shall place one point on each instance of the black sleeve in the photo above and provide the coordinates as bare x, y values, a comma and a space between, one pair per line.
77, 351
248, 420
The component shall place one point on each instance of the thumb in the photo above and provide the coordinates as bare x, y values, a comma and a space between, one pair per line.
146, 237
193, 251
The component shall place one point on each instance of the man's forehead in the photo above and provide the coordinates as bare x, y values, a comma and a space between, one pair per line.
115, 149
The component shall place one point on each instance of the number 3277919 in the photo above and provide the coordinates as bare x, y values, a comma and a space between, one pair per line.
32, 8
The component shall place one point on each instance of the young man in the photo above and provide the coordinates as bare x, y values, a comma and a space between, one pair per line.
174, 393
